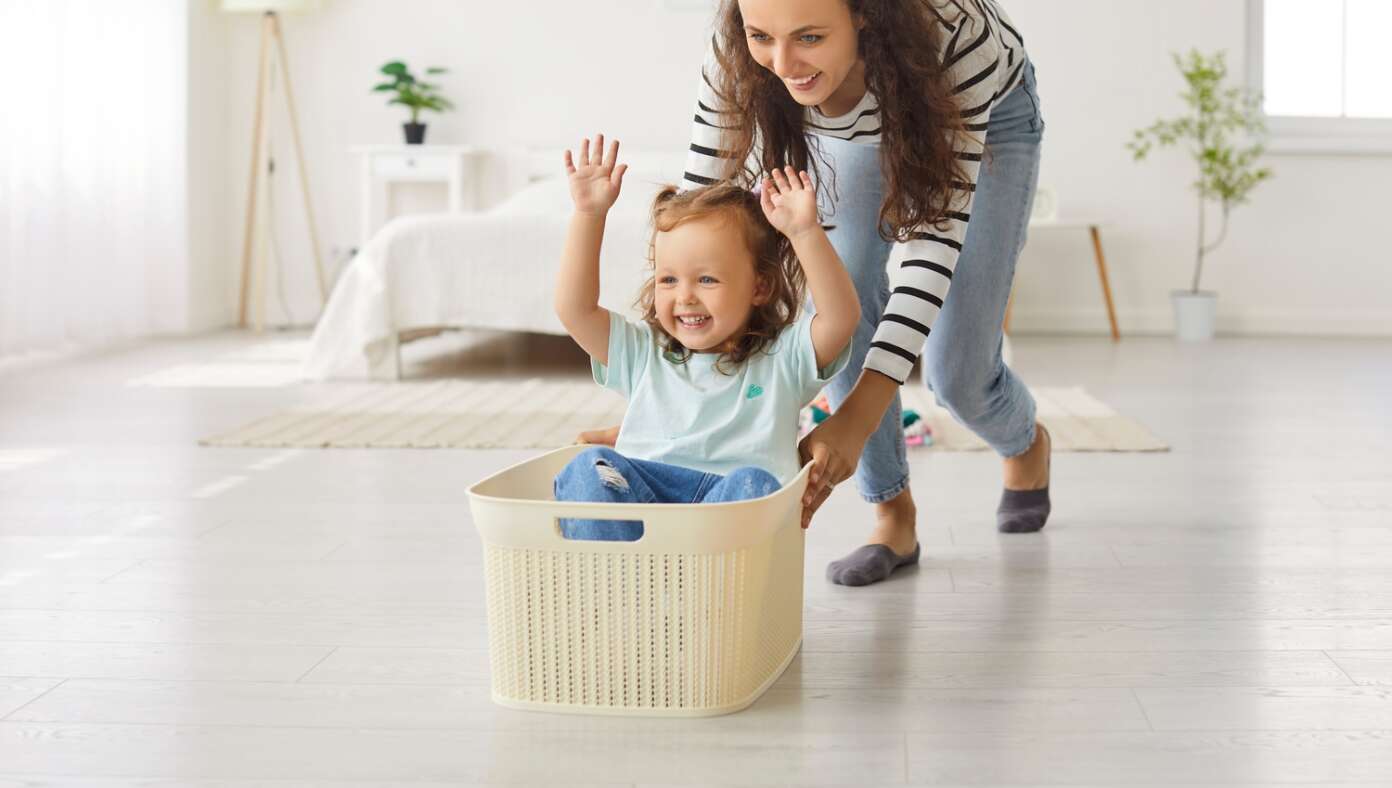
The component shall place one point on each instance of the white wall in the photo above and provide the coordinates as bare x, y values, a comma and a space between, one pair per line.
541, 73
1304, 257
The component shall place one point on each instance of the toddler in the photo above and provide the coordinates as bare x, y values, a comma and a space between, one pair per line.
719, 367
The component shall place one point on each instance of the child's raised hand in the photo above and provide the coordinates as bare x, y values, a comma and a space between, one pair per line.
789, 202
595, 181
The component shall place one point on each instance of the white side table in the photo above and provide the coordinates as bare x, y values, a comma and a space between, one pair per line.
1094, 230
382, 165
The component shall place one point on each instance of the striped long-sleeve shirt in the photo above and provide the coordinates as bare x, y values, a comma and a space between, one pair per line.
985, 58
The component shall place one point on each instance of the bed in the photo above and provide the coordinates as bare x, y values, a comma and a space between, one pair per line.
492, 270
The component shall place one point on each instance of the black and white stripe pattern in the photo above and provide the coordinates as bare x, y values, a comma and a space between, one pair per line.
985, 57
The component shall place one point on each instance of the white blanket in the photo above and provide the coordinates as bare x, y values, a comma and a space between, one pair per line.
493, 270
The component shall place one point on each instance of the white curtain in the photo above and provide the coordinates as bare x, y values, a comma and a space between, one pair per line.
93, 215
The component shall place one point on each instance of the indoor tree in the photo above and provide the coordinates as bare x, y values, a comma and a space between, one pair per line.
1222, 133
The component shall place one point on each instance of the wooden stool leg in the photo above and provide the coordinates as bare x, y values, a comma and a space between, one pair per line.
1106, 287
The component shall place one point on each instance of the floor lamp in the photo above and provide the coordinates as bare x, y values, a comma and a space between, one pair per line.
272, 50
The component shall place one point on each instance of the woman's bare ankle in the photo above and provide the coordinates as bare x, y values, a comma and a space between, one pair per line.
901, 503
896, 522
1029, 470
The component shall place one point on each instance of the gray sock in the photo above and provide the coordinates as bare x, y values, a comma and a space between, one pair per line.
1022, 511
1026, 511
868, 564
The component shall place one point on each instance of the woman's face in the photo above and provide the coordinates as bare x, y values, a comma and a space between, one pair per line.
810, 44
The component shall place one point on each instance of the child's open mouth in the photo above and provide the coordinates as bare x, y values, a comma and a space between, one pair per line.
693, 321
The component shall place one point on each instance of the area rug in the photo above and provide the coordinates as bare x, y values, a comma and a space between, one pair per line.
542, 414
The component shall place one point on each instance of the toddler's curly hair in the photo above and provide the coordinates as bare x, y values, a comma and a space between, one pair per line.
775, 264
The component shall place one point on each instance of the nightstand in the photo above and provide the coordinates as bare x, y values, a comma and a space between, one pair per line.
1094, 231
382, 165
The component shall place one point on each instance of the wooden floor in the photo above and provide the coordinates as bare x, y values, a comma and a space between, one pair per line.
1217, 615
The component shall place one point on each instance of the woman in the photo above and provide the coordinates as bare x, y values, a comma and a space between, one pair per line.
921, 119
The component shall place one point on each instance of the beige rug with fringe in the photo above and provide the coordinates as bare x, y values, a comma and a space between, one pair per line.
545, 414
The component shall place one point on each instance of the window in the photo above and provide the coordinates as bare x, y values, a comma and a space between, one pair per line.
1323, 68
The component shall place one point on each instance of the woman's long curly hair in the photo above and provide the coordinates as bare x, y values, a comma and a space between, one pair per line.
775, 268
920, 120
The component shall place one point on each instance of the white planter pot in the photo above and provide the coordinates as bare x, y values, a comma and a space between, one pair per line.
1194, 314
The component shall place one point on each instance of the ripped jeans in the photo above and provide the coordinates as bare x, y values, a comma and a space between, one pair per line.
600, 474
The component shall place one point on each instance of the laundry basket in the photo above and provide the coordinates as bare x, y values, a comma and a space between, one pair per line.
697, 617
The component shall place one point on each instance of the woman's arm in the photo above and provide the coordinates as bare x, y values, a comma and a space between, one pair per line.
835, 445
594, 186
922, 265
706, 162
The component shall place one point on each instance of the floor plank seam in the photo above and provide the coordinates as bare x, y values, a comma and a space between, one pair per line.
315, 665
333, 550
1141, 705
33, 700
1339, 667
1112, 551
851, 651
905, 745
212, 528
482, 683
121, 571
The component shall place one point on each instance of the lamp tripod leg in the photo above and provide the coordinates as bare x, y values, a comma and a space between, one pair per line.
248, 230
300, 163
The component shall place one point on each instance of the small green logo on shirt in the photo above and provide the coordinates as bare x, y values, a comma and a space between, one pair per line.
753, 392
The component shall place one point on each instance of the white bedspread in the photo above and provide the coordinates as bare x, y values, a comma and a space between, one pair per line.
494, 270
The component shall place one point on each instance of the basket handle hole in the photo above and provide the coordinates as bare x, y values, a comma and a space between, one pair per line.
576, 530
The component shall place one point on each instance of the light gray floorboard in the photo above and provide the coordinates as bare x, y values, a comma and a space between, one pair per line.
1220, 614
467, 708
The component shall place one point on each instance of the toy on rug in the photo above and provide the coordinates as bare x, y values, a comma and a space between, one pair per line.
916, 429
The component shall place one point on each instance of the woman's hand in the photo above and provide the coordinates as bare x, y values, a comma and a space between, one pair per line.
594, 180
834, 448
836, 444
790, 202
606, 436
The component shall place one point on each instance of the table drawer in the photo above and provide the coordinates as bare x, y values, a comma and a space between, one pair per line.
404, 167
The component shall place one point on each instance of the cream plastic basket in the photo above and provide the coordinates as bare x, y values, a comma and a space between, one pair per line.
696, 618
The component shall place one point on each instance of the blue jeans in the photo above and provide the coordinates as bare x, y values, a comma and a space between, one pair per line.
962, 358
600, 474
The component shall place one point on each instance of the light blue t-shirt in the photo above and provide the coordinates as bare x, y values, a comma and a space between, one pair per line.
695, 416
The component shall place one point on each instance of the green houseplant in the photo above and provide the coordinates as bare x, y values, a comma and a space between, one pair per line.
414, 93
1223, 134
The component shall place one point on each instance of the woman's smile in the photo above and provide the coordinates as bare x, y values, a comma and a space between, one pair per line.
807, 83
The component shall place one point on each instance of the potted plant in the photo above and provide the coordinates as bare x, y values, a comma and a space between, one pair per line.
415, 94
1223, 134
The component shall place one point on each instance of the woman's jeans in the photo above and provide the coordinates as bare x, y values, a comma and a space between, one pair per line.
962, 357
601, 475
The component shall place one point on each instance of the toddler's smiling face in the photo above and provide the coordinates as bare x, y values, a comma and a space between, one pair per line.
704, 282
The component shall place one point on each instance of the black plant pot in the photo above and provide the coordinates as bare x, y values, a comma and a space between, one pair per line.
415, 133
